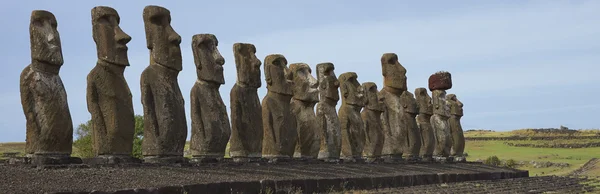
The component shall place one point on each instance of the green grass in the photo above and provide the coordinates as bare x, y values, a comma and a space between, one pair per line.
575, 157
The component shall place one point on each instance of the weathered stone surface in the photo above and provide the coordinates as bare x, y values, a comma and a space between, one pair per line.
371, 116
43, 96
458, 138
210, 122
440, 81
165, 126
424, 123
352, 125
246, 117
279, 125
109, 99
441, 127
394, 76
327, 117
306, 95
412, 134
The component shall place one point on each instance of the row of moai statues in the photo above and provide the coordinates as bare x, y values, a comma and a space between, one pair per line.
392, 121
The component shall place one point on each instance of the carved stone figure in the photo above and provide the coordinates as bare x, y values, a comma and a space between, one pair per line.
352, 125
424, 123
165, 126
279, 125
306, 95
327, 117
371, 116
412, 135
49, 127
458, 138
210, 122
394, 80
246, 117
108, 96
438, 84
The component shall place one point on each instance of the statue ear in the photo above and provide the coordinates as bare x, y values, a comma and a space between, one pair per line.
345, 89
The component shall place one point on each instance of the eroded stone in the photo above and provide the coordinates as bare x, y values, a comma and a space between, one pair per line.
165, 126
327, 117
49, 127
371, 116
246, 117
424, 123
458, 138
439, 122
279, 125
412, 134
306, 95
352, 125
210, 122
394, 75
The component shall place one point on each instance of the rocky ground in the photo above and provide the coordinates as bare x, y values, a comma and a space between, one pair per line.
84, 178
543, 184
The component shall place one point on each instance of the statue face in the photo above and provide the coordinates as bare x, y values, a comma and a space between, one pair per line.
352, 92
424, 101
111, 41
372, 101
328, 82
277, 75
44, 37
161, 39
247, 64
306, 87
394, 74
209, 61
439, 103
456, 106
408, 102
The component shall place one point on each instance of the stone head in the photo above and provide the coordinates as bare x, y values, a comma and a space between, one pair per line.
306, 87
111, 41
161, 39
408, 102
439, 103
456, 106
423, 101
394, 74
352, 92
44, 38
328, 82
277, 75
247, 65
372, 99
208, 60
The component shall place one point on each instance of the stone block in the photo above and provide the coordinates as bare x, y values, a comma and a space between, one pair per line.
440, 81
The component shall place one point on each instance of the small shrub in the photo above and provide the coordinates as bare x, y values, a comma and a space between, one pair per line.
493, 160
511, 163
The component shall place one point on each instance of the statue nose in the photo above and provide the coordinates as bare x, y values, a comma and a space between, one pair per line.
220, 61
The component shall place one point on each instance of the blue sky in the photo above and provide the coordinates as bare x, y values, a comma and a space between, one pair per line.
514, 65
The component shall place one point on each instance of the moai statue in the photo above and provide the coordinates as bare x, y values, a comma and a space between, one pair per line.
246, 117
394, 81
371, 116
412, 134
49, 127
165, 126
352, 125
279, 126
327, 117
458, 138
438, 84
210, 122
424, 123
306, 95
109, 99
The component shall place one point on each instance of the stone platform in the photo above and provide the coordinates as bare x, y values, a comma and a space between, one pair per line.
230, 177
